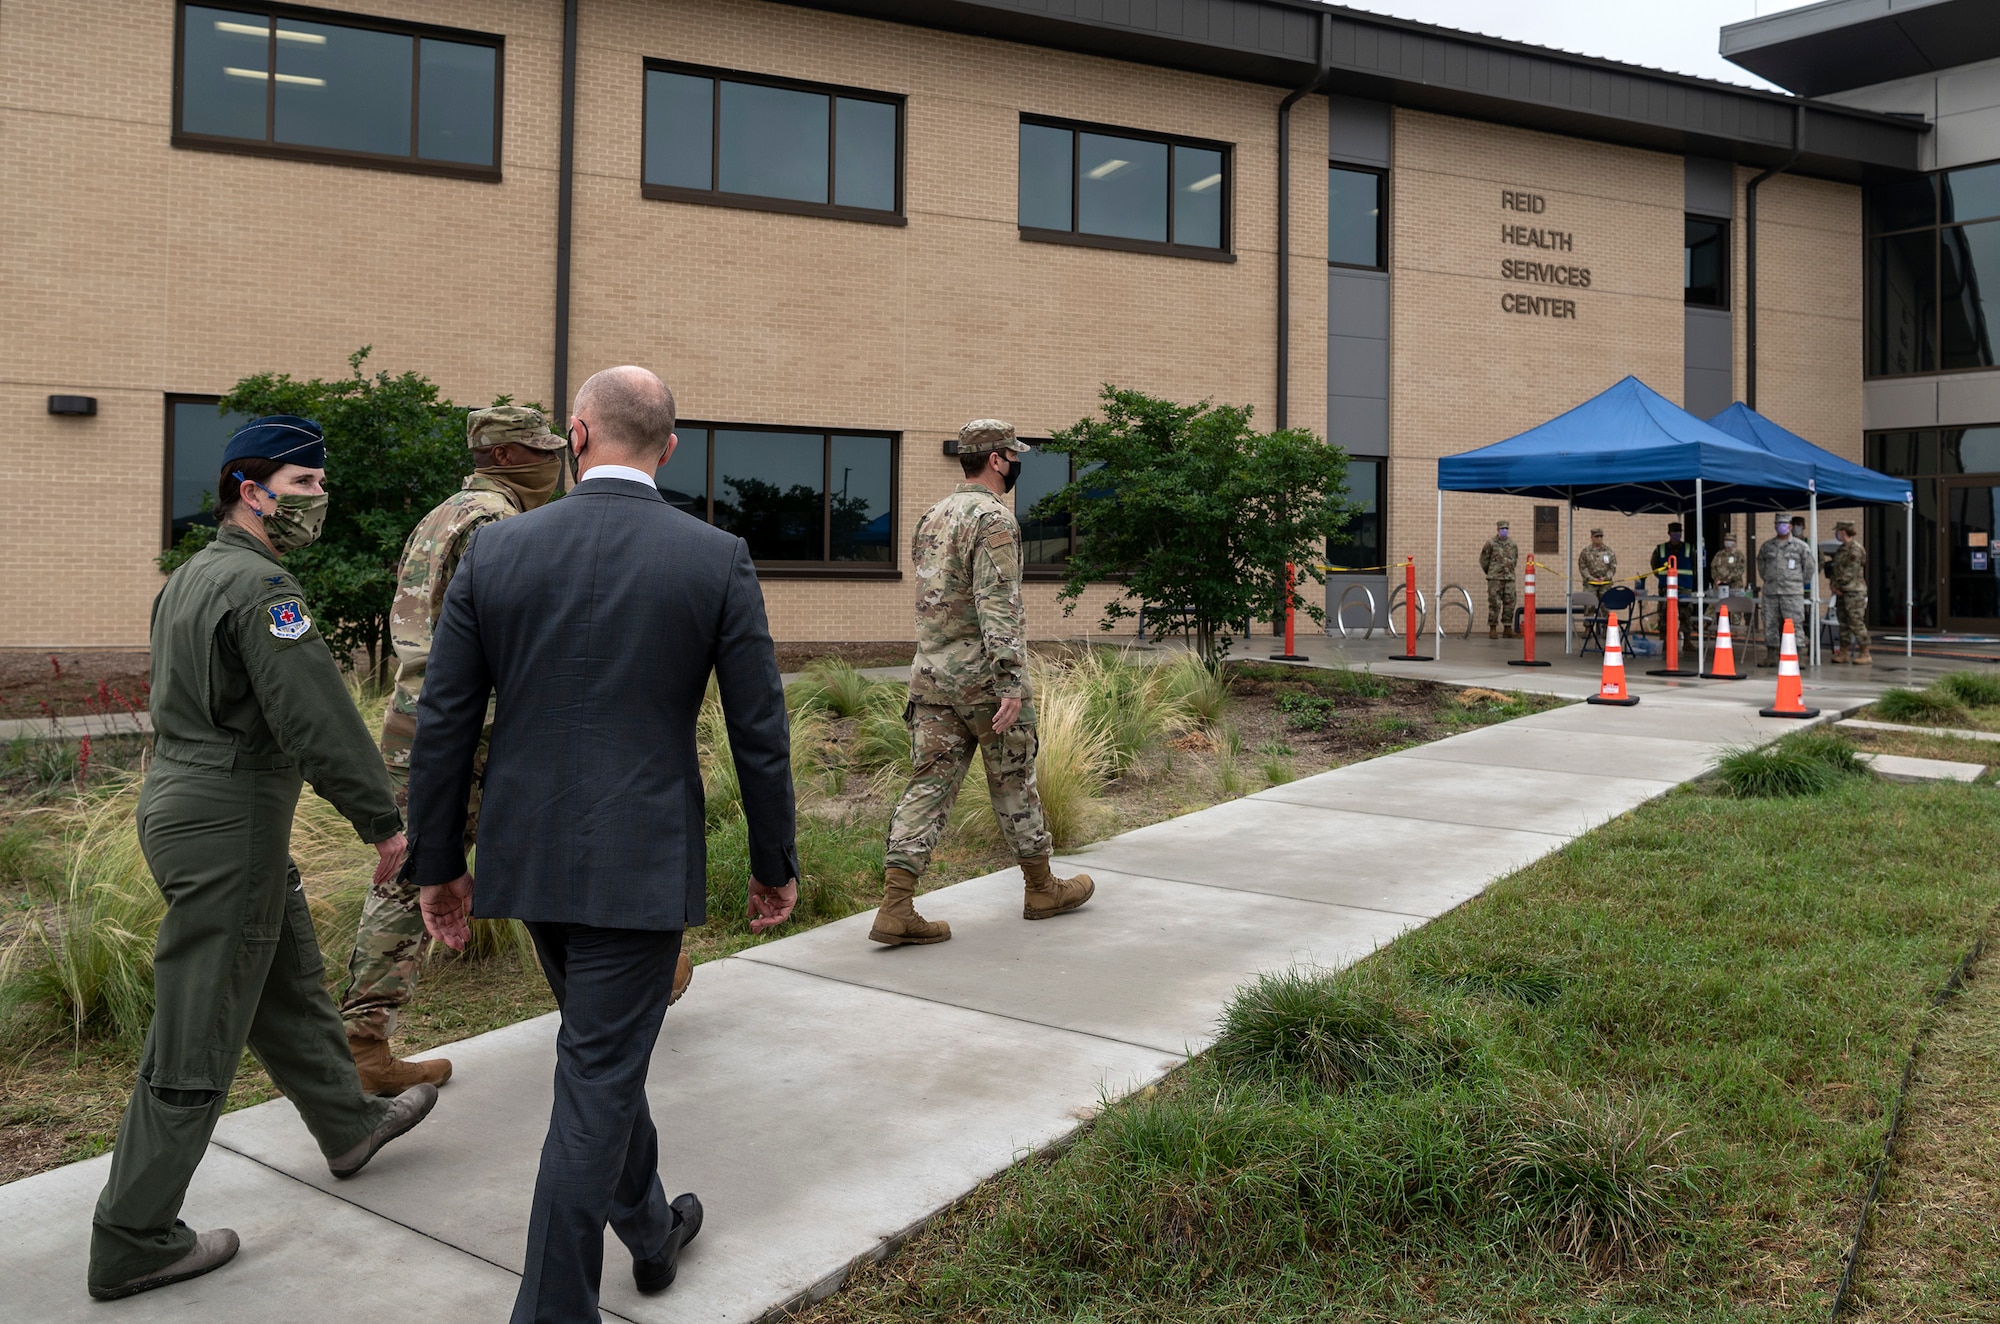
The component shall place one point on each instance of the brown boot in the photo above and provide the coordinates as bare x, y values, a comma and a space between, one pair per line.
1493, 633
683, 976
897, 923
1839, 656
1864, 658
389, 1076
1047, 895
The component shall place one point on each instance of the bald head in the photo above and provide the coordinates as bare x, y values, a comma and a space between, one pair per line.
628, 412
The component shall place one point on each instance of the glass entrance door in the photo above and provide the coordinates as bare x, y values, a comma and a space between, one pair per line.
1966, 561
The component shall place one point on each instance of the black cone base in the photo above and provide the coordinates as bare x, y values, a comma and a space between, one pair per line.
1290, 657
1613, 703
1678, 671
1716, 675
1407, 657
1523, 662
1775, 712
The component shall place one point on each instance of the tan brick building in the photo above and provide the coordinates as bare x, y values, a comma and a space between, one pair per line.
1012, 207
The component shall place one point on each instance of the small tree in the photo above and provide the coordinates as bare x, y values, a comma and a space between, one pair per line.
393, 451
1189, 509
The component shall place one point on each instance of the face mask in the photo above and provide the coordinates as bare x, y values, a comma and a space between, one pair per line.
1501, 535
1784, 530
1013, 475
532, 483
1729, 544
296, 522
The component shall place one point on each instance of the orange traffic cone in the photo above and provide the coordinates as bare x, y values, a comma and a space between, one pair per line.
1611, 689
1791, 701
1723, 665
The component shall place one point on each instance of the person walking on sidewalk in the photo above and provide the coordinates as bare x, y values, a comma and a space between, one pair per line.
969, 690
517, 463
1781, 579
1498, 560
1849, 573
248, 705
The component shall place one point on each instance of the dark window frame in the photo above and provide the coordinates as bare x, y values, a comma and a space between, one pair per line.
269, 147
1046, 570
171, 399
823, 568
756, 202
1936, 227
1381, 215
1726, 271
1225, 252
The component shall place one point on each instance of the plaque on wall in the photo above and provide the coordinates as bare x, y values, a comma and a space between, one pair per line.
1548, 531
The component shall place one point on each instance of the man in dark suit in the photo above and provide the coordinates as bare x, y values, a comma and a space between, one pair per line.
595, 623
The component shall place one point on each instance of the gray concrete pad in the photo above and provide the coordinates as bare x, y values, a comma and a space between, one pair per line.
1372, 861
814, 1118
305, 1256
1901, 768
1530, 749
1949, 732
1565, 803
1146, 961
1728, 718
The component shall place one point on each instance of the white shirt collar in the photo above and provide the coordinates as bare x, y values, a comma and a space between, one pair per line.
625, 471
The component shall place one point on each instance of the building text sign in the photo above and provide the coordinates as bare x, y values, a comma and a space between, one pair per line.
1545, 260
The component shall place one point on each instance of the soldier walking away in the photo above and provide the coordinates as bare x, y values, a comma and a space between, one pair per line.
517, 464
1596, 564
1497, 561
1782, 566
248, 705
969, 690
1849, 572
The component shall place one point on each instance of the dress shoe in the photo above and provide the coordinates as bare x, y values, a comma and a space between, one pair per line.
409, 1108
389, 1076
211, 1251
656, 1273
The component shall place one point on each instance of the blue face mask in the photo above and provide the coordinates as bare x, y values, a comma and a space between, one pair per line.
1502, 534
1784, 530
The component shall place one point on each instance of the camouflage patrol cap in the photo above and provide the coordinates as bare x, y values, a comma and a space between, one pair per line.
1499, 524
1597, 533
1845, 526
983, 435
510, 425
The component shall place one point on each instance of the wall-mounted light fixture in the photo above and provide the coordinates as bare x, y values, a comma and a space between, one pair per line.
80, 405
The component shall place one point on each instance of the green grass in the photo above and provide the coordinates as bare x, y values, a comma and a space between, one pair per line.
1306, 712
1642, 1080
1930, 707
1804, 764
1974, 689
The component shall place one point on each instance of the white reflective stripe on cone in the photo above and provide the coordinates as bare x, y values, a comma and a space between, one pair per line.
1788, 666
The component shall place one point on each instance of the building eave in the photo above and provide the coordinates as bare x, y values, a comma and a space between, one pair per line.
1844, 44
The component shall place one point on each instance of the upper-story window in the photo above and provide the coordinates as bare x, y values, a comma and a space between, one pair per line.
1110, 188
1934, 272
1356, 222
295, 82
1705, 263
743, 140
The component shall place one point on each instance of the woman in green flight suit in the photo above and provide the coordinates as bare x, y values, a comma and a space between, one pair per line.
247, 703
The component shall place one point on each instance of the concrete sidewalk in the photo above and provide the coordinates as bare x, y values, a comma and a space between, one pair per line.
825, 1096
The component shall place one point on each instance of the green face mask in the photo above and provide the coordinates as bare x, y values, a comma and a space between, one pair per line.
297, 520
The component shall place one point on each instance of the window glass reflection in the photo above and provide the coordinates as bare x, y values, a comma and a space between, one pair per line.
680, 130
1971, 195
225, 60
347, 88
683, 479
1122, 187
1902, 308
864, 154
1968, 294
1968, 451
455, 101
1901, 204
1354, 217
1704, 264
1048, 170
198, 432
1362, 546
773, 142
860, 525
1044, 537
1198, 197
769, 492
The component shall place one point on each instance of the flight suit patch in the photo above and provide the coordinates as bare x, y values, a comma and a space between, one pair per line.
289, 621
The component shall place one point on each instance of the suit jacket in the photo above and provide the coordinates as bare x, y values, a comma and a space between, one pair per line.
595, 623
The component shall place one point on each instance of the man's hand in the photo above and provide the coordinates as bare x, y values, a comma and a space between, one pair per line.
1004, 716
447, 911
389, 857
771, 906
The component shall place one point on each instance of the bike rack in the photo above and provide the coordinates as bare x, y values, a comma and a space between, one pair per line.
1396, 611
1340, 611
1464, 600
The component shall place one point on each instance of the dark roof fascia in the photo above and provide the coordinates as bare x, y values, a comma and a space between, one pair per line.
1859, 43
1436, 69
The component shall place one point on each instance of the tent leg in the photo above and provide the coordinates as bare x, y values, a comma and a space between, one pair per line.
1909, 576
1569, 582
1437, 587
1700, 575
1812, 566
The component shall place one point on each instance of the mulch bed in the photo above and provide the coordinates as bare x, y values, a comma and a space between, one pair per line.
69, 683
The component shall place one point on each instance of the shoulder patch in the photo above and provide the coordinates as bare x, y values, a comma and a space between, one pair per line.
289, 620
1000, 541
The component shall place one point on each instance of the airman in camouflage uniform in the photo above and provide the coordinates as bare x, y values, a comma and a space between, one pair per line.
1497, 561
1783, 563
517, 467
1597, 564
1728, 576
1849, 572
969, 690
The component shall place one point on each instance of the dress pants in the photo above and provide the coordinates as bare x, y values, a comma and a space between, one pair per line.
601, 1161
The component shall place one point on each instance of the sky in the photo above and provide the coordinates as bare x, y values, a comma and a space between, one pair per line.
1680, 35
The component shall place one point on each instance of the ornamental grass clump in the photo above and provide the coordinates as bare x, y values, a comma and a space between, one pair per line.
1333, 1032
1974, 689
1937, 706
1805, 764
833, 686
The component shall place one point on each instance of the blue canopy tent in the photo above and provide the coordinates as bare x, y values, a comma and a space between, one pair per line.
1842, 481
1631, 450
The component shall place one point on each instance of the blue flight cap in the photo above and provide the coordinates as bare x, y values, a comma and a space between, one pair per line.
278, 437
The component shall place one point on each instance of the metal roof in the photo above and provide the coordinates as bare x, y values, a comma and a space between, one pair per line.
1426, 67
1844, 44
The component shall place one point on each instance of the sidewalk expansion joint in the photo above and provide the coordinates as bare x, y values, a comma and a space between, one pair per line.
1283, 896
1265, 797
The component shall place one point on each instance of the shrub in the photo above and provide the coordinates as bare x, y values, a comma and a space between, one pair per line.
1974, 689
1936, 706
1803, 764
1332, 1032
1306, 712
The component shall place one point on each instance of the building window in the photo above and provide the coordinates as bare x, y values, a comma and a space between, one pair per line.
1362, 548
1047, 541
1356, 232
197, 433
1934, 272
300, 82
1705, 264
802, 499
740, 140
1107, 188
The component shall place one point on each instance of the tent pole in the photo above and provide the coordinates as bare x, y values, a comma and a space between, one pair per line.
1437, 586
1909, 575
1812, 566
1700, 574
1569, 579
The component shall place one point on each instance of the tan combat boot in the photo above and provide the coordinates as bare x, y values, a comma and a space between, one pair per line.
1864, 658
389, 1076
1493, 632
897, 923
1047, 895
1839, 656
683, 976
